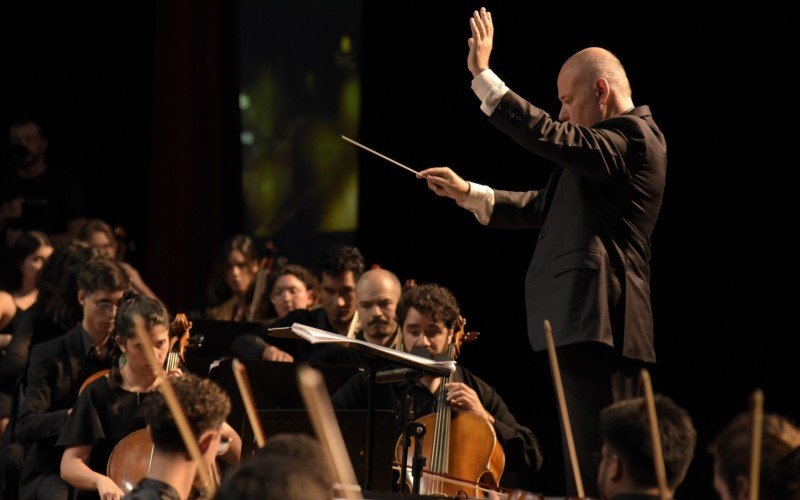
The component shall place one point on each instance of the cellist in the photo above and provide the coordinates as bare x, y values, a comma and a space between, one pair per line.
107, 410
428, 316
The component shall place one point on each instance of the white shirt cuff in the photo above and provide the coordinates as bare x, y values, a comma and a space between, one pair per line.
490, 89
480, 202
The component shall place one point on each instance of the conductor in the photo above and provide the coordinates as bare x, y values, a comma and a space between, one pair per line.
590, 272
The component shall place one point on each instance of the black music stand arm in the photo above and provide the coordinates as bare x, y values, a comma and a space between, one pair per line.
372, 374
418, 431
405, 419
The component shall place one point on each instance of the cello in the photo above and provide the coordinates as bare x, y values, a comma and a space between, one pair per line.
465, 458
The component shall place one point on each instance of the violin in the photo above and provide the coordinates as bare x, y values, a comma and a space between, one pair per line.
464, 456
131, 458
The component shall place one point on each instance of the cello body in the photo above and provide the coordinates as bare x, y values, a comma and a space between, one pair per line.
130, 460
474, 456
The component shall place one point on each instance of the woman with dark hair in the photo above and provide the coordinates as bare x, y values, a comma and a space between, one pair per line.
98, 234
29, 255
107, 410
55, 312
233, 281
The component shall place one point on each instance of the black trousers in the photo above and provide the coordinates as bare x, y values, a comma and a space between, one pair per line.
11, 457
49, 486
593, 377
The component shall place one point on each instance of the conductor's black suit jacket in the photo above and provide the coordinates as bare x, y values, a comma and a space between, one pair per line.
590, 272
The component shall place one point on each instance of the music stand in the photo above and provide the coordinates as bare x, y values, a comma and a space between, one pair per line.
217, 339
373, 358
274, 385
351, 423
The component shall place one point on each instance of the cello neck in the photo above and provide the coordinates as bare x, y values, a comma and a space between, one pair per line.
441, 437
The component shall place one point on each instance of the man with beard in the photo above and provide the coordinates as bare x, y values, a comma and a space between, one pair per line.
428, 316
35, 196
377, 294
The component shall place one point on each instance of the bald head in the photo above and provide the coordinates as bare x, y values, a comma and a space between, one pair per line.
593, 86
377, 294
593, 63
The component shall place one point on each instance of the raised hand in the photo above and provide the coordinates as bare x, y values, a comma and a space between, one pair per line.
480, 45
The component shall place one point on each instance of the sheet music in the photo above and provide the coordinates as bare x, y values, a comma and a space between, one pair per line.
317, 336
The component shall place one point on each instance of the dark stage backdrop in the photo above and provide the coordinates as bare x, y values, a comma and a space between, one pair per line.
724, 276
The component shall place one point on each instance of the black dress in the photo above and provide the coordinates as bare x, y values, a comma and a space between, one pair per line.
104, 414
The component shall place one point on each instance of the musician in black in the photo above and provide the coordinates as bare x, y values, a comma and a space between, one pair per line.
428, 316
108, 409
56, 370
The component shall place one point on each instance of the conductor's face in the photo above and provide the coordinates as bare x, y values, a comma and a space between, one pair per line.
421, 330
579, 100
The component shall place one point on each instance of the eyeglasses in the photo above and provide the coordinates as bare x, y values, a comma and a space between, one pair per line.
105, 305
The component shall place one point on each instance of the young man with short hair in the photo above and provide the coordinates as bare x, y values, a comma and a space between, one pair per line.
56, 370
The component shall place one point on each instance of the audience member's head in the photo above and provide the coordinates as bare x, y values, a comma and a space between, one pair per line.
273, 478
29, 133
304, 449
626, 462
340, 268
29, 255
291, 287
780, 459
100, 235
205, 406
377, 294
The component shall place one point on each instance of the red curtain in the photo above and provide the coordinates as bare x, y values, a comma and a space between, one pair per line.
195, 199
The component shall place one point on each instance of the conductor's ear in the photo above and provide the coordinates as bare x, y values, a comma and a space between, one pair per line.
602, 90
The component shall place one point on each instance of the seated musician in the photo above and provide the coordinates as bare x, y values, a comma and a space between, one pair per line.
290, 287
428, 315
340, 268
377, 294
626, 469
56, 370
107, 410
233, 280
172, 470
780, 459
99, 234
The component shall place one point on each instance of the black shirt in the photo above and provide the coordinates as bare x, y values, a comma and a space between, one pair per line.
519, 443
152, 489
104, 414
51, 200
